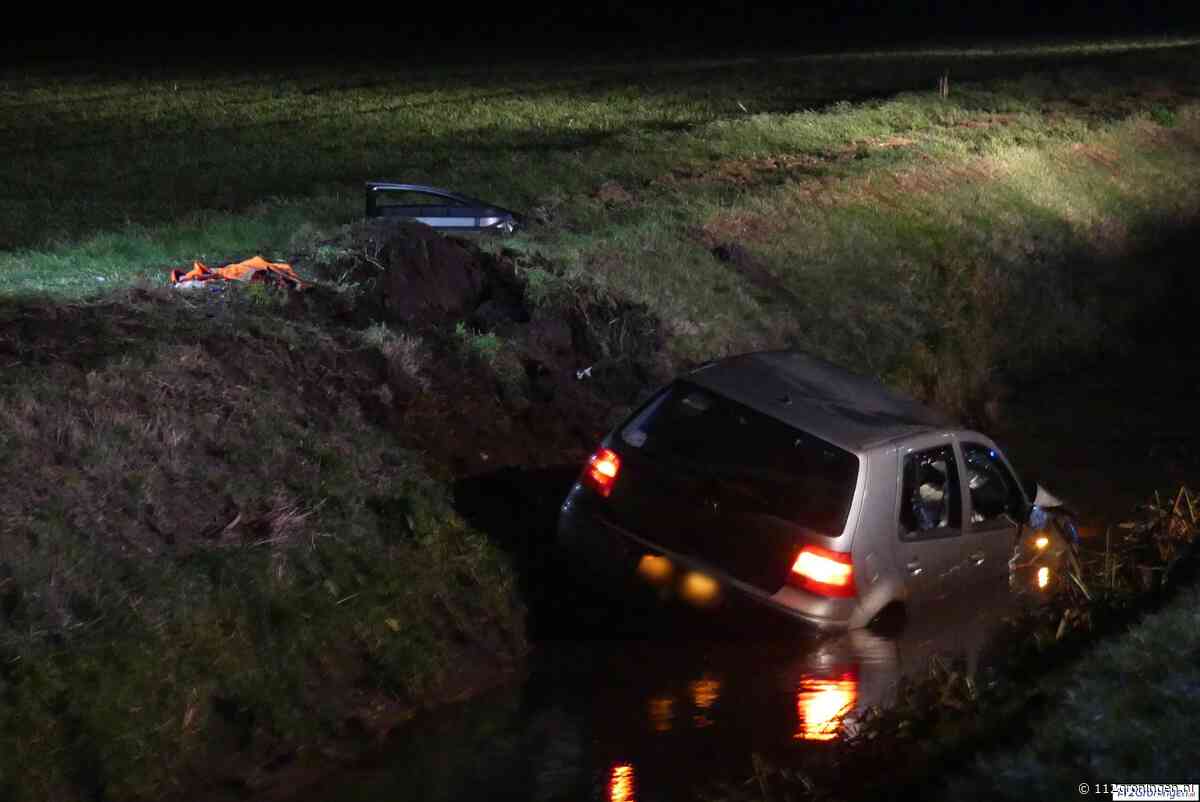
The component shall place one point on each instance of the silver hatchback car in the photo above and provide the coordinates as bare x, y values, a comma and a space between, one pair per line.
806, 487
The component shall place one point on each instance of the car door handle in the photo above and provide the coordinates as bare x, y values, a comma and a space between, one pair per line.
977, 557
914, 567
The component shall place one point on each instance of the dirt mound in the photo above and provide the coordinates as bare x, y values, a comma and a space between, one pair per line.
502, 380
410, 275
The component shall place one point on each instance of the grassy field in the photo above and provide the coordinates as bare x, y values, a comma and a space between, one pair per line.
209, 548
1043, 156
90, 151
1126, 711
155, 528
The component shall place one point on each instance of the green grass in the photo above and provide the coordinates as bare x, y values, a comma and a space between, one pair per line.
208, 548
92, 152
892, 223
483, 346
139, 254
1125, 714
946, 245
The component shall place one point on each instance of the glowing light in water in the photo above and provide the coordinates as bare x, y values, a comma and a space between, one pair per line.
821, 704
705, 693
662, 713
1042, 542
620, 783
1043, 577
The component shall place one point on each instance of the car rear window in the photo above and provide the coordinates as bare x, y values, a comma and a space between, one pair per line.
791, 474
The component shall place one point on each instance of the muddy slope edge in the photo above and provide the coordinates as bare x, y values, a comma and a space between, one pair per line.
227, 529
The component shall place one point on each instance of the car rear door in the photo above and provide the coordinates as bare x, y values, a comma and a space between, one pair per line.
995, 509
929, 515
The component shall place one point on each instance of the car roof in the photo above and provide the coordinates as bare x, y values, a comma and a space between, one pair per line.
844, 408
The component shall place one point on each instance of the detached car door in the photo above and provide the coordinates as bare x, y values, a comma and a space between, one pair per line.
996, 507
929, 534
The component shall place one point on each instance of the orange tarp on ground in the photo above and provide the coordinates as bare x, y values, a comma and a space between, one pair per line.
257, 270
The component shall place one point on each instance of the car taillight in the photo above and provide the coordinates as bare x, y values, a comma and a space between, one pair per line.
601, 471
829, 573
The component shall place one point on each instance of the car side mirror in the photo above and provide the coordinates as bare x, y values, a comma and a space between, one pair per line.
1045, 499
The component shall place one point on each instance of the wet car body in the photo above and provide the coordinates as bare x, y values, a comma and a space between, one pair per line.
805, 487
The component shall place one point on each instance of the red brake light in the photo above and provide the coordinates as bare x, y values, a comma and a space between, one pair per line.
601, 471
829, 573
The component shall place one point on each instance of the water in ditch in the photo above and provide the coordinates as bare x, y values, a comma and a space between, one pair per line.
669, 703
667, 714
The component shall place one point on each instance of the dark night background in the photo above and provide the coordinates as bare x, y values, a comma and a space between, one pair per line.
445, 32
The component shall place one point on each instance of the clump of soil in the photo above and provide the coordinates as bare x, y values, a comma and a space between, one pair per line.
505, 381
415, 276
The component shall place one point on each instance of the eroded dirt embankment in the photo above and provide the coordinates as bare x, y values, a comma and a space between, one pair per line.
492, 378
227, 513
1065, 429
185, 473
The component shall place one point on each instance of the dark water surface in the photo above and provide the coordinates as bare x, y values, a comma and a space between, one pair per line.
661, 702
669, 705
660, 717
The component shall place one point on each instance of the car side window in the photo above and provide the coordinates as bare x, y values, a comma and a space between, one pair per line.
993, 488
930, 492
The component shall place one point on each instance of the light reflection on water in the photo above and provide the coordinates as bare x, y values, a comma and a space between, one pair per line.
704, 692
621, 787
821, 705
676, 714
661, 711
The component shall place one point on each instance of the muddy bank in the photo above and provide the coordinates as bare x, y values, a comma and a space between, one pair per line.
262, 512
228, 515
666, 686
497, 379
672, 706
210, 556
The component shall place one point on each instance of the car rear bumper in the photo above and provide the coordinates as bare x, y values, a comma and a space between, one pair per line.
611, 550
